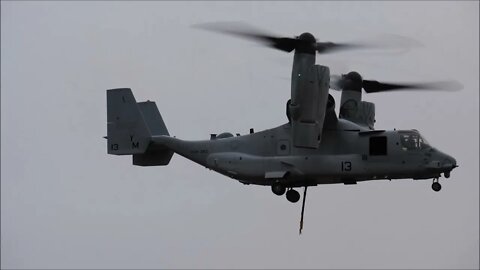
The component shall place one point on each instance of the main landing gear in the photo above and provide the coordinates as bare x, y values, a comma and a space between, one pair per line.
436, 185
292, 196
280, 189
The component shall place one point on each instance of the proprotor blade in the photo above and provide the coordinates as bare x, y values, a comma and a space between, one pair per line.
351, 81
246, 31
354, 82
306, 42
371, 86
328, 47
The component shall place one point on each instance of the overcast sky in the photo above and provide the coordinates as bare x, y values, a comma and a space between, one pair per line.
65, 203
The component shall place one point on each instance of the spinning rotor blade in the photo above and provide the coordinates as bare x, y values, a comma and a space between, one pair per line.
246, 31
286, 44
327, 47
353, 81
336, 82
375, 86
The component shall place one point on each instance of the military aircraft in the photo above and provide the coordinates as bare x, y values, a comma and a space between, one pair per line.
314, 147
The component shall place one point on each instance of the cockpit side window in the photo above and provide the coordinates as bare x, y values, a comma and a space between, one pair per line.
411, 141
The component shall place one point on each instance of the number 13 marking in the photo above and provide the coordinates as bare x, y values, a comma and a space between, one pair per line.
346, 166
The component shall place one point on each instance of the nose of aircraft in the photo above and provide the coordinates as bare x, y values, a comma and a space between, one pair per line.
448, 164
441, 162
448, 161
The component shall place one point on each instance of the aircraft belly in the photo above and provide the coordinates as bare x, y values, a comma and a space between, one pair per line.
328, 169
322, 169
239, 166
299, 170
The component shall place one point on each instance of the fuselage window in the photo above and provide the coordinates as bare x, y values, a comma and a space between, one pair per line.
378, 146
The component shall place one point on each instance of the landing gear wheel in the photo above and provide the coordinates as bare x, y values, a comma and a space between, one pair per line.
436, 186
293, 196
278, 189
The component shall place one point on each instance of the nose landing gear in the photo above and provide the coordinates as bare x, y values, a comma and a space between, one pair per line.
436, 185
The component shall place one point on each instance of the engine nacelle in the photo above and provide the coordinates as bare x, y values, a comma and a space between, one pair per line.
352, 108
366, 114
306, 109
349, 104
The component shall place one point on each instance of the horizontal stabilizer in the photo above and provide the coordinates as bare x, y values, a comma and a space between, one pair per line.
153, 158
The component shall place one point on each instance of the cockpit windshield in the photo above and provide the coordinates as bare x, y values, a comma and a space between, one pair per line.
412, 140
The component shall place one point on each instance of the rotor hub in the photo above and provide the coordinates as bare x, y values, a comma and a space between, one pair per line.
352, 81
307, 37
306, 43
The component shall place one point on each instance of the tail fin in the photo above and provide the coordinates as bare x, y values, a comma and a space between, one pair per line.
152, 118
127, 132
156, 155
130, 128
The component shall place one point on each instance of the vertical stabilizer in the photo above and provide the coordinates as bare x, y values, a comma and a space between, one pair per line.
156, 155
127, 132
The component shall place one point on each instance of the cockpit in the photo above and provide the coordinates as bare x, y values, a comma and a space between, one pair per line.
411, 140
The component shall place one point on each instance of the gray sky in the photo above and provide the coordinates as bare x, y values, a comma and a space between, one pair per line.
65, 203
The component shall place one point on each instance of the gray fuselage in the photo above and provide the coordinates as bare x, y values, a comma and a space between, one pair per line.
345, 155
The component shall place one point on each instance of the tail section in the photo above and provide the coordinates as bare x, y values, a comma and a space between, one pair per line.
130, 128
127, 132
152, 118
156, 155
